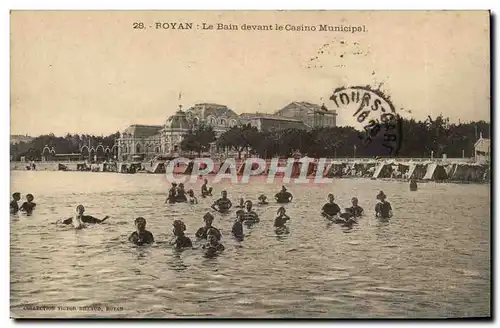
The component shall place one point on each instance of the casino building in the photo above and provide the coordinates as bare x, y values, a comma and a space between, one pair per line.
145, 142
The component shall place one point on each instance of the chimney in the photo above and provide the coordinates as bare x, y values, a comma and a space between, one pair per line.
480, 135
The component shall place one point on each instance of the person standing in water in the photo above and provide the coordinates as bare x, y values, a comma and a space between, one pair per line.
330, 209
28, 206
213, 246
191, 197
205, 191
141, 236
237, 229
180, 196
241, 204
263, 200
14, 206
202, 232
355, 210
172, 192
250, 216
280, 221
79, 220
413, 185
283, 196
222, 204
180, 241
383, 208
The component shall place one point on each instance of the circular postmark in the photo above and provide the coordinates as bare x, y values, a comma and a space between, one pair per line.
375, 117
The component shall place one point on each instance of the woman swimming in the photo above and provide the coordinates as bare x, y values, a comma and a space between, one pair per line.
79, 220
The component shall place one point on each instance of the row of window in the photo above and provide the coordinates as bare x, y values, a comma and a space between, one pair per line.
212, 121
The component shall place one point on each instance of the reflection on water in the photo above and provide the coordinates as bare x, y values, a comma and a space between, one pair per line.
432, 259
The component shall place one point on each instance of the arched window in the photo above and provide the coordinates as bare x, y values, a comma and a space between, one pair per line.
138, 148
212, 121
232, 123
222, 121
196, 121
157, 149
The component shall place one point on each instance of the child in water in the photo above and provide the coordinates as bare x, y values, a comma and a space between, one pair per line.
213, 246
14, 206
279, 222
180, 241
238, 225
192, 198
28, 206
263, 200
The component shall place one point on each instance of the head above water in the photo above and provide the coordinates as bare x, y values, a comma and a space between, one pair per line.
174, 184
191, 192
223, 193
208, 218
179, 226
80, 209
281, 210
16, 196
354, 201
381, 195
331, 198
283, 188
262, 197
240, 214
140, 223
242, 201
29, 197
248, 205
205, 181
212, 236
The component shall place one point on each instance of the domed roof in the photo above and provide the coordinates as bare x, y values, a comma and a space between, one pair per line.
178, 121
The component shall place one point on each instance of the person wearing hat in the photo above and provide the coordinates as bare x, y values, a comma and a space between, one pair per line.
79, 220
383, 208
180, 241
263, 200
172, 192
180, 196
202, 232
283, 196
330, 209
250, 216
14, 206
222, 204
237, 229
213, 246
28, 206
141, 236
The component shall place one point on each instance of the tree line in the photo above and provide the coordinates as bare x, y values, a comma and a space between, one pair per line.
431, 137
69, 144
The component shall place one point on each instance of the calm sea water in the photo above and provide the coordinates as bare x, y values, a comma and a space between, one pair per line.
431, 260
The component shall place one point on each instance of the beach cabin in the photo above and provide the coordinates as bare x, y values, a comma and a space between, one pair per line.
482, 150
435, 172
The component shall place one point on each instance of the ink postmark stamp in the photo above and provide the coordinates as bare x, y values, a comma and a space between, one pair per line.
374, 115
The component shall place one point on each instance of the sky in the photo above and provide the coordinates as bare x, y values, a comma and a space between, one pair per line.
92, 72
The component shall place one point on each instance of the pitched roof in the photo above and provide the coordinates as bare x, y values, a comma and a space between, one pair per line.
310, 107
206, 109
143, 131
483, 145
269, 117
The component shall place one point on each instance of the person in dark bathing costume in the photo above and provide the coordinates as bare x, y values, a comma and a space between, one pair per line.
413, 185
283, 196
205, 191
14, 206
79, 220
191, 197
180, 196
355, 210
222, 204
172, 192
141, 236
263, 200
280, 221
383, 208
213, 246
28, 206
241, 204
202, 232
330, 209
180, 241
238, 225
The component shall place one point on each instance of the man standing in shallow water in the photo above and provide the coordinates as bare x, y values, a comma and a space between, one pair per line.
141, 236
222, 204
14, 206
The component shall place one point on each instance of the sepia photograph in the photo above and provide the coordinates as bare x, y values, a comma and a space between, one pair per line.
247, 164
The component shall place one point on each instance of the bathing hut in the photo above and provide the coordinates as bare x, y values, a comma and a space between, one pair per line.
435, 172
335, 169
383, 170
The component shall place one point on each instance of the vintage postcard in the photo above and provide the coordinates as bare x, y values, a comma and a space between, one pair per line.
250, 164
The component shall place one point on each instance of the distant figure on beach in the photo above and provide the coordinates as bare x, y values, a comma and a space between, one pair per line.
283, 196
14, 206
205, 191
28, 206
79, 220
191, 197
172, 192
383, 208
330, 209
413, 185
222, 204
263, 200
237, 229
180, 195
180, 241
241, 204
202, 232
141, 236
280, 221
250, 216
213, 246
